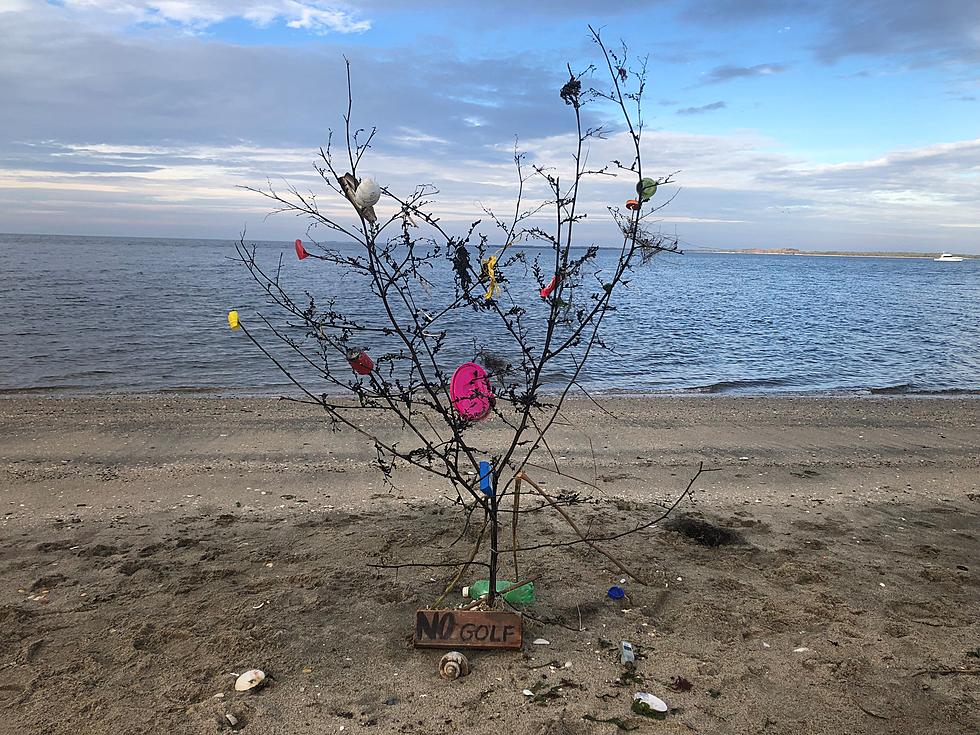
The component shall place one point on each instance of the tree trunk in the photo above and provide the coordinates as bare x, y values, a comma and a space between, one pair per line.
492, 594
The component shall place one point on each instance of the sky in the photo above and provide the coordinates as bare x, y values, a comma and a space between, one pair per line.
831, 125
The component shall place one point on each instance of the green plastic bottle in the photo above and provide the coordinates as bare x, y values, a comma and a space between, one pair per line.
523, 595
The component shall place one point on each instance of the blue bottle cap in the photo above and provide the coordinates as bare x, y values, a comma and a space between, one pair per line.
486, 478
616, 593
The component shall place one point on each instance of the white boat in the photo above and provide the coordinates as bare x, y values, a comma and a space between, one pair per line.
948, 258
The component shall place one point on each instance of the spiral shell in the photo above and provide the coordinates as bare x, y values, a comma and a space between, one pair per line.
453, 665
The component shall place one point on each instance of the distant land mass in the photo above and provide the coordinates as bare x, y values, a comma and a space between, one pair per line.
817, 253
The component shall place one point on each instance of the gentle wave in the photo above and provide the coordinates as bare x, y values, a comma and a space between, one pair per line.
728, 386
911, 389
891, 390
42, 389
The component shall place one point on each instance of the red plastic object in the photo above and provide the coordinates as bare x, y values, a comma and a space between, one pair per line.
300, 250
546, 291
632, 204
360, 362
471, 392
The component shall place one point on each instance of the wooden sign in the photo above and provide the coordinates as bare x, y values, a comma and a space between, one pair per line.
468, 629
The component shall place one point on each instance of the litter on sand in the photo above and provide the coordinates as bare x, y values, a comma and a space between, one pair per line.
648, 705
626, 655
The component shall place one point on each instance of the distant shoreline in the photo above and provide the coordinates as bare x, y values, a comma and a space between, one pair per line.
531, 246
826, 254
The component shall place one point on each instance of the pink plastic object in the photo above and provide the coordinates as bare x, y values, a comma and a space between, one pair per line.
471, 392
546, 291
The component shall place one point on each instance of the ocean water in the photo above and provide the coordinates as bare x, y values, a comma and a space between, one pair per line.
133, 315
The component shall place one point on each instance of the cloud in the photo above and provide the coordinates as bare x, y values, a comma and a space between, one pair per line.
927, 34
906, 194
311, 15
739, 188
732, 189
719, 105
946, 172
151, 133
87, 85
728, 72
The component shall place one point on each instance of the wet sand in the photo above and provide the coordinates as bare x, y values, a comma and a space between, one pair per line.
151, 547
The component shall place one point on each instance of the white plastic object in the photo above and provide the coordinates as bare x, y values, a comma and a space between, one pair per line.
367, 194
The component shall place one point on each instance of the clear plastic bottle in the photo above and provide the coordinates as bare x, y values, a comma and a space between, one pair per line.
523, 595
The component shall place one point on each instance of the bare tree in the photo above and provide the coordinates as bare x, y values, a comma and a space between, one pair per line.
399, 363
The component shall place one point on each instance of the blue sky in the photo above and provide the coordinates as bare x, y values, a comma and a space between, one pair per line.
831, 125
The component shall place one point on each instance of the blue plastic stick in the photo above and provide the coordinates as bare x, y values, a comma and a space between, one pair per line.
486, 478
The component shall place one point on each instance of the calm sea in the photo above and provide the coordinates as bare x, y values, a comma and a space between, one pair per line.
130, 315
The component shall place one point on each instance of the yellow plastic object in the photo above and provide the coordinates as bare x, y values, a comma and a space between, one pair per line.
233, 319
493, 289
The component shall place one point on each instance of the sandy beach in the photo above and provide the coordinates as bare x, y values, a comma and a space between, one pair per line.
152, 548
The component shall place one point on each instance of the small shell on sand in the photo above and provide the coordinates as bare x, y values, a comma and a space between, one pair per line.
249, 680
453, 665
643, 700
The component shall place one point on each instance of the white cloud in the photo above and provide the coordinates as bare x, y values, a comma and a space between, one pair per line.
733, 190
14, 6
312, 15
154, 132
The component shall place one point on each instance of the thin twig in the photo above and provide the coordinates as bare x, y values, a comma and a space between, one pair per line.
585, 539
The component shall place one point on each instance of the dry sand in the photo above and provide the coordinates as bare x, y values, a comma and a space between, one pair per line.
149, 547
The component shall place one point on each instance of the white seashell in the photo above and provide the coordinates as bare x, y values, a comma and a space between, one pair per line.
249, 680
654, 703
541, 642
232, 720
453, 665
367, 194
